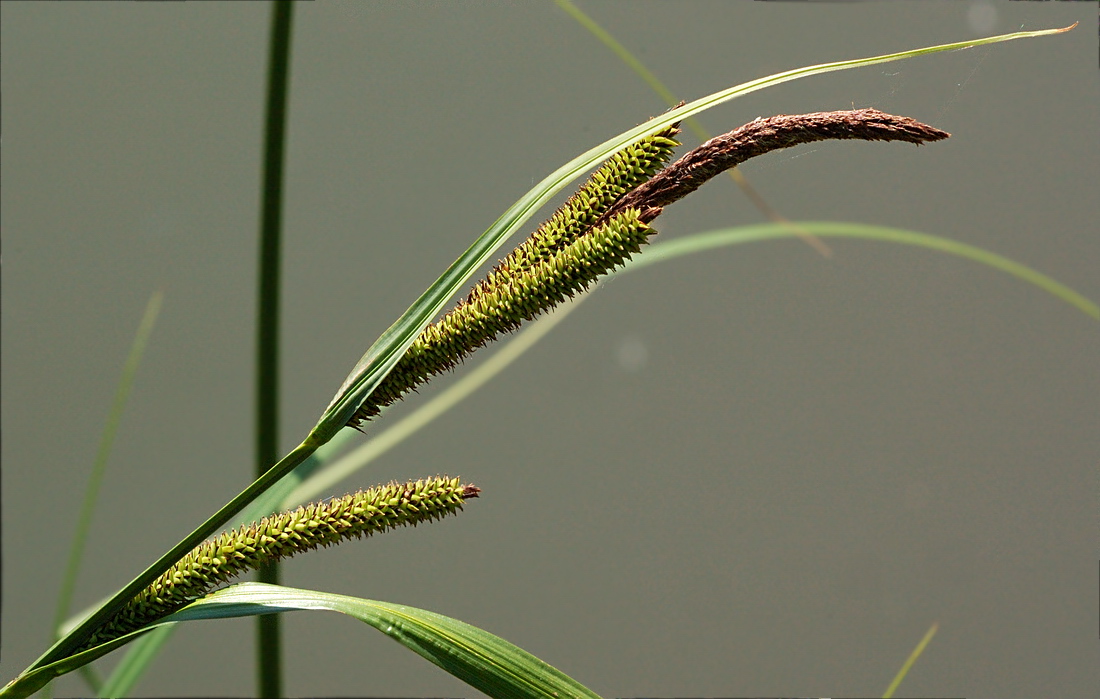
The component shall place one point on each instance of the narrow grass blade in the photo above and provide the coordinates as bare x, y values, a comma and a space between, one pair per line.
908, 665
388, 349
767, 231
484, 661
624, 55
35, 679
481, 659
137, 660
99, 467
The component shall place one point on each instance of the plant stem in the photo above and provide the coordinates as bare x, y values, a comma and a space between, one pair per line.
268, 640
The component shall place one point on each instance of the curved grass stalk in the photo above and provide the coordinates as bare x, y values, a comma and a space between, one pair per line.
481, 659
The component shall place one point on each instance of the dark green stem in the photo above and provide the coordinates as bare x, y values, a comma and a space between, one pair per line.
268, 640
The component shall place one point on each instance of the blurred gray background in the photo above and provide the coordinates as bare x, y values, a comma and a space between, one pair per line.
756, 471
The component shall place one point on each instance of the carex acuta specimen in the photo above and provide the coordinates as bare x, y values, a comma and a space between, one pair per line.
597, 230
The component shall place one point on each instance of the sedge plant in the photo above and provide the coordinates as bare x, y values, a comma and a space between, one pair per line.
599, 230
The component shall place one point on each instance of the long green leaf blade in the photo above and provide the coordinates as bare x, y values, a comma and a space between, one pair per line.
388, 349
99, 468
766, 231
481, 659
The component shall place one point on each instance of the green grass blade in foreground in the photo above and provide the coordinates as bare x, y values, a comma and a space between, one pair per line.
908, 664
484, 661
33, 680
768, 231
388, 349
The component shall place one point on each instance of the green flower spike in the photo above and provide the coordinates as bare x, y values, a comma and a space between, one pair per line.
323, 523
438, 349
621, 173
502, 301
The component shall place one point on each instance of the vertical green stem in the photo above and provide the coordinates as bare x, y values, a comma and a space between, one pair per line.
268, 646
